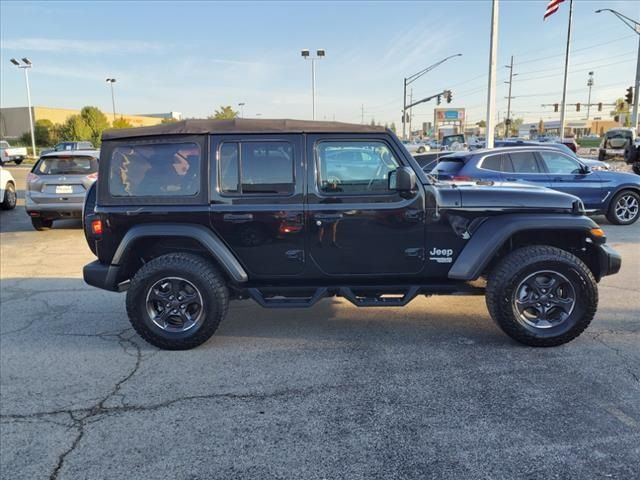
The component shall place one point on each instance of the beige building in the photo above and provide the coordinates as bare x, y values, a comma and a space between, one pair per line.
14, 121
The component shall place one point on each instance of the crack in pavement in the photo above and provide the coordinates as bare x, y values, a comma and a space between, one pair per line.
597, 338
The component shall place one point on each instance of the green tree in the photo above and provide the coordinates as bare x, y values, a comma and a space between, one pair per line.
170, 120
96, 121
121, 123
516, 123
225, 113
541, 127
393, 127
373, 122
75, 128
481, 124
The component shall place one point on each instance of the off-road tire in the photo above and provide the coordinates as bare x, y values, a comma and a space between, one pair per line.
10, 197
40, 224
19, 161
202, 274
631, 153
636, 168
611, 214
518, 265
602, 155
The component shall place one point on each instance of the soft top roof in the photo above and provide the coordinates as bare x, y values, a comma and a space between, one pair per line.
240, 125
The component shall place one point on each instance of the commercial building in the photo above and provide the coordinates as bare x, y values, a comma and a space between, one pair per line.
14, 121
577, 128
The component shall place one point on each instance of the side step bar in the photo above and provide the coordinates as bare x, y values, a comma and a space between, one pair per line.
278, 301
373, 297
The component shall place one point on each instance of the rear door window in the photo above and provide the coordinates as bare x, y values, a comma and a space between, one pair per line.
524, 162
256, 168
449, 166
155, 170
66, 165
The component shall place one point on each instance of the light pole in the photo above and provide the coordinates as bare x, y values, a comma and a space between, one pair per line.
241, 105
589, 84
26, 65
635, 26
111, 81
409, 80
320, 53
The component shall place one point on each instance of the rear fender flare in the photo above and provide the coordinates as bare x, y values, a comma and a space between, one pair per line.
495, 231
210, 241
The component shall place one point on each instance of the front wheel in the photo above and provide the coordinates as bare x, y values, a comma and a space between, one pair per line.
176, 301
542, 296
624, 209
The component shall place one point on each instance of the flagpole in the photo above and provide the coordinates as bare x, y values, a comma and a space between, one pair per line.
491, 90
566, 72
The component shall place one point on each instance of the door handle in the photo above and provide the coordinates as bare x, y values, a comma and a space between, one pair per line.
238, 217
511, 179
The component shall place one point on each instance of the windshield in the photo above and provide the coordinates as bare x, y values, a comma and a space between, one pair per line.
66, 165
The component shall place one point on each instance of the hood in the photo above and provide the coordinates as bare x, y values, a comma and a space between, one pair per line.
503, 196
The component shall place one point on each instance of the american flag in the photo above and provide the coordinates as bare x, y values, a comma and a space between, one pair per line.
552, 8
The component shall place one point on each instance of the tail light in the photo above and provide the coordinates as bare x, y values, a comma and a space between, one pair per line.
462, 178
96, 227
32, 177
92, 176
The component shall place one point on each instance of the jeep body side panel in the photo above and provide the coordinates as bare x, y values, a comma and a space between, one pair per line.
266, 231
495, 231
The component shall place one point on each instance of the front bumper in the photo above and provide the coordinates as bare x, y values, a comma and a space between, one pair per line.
609, 260
101, 275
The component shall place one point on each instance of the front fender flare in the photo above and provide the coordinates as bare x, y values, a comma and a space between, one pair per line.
495, 231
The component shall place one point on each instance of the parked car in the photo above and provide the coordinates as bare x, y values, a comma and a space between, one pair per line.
69, 146
416, 147
11, 154
632, 155
594, 164
8, 196
162, 216
57, 185
615, 194
615, 141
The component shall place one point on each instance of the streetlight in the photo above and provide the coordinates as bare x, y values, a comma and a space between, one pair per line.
409, 80
26, 65
635, 26
241, 105
589, 84
111, 81
320, 53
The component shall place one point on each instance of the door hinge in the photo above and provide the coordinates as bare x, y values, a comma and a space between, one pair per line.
297, 255
414, 252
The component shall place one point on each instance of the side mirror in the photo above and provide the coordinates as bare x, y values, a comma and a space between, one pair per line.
586, 169
402, 179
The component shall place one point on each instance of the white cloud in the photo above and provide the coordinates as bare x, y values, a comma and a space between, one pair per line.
53, 45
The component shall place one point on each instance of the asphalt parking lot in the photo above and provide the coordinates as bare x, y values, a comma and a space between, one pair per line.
432, 390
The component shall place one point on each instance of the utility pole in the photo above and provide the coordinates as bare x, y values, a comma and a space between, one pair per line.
491, 89
410, 111
404, 111
589, 84
507, 122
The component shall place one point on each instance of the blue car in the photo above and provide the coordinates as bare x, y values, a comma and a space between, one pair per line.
615, 194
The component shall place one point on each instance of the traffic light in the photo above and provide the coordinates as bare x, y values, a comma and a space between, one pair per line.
448, 96
439, 101
629, 96
600, 106
577, 107
555, 107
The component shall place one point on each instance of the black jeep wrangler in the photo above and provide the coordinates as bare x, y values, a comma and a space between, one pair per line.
189, 215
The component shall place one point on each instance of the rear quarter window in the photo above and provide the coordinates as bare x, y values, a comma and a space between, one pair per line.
449, 166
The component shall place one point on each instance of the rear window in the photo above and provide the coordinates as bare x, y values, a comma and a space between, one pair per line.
155, 170
449, 166
66, 165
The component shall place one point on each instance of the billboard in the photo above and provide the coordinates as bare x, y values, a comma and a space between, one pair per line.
449, 114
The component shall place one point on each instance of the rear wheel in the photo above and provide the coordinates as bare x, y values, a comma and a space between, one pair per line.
602, 156
176, 301
18, 161
624, 209
542, 296
10, 197
41, 224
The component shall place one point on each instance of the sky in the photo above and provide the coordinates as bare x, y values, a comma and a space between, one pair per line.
193, 57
